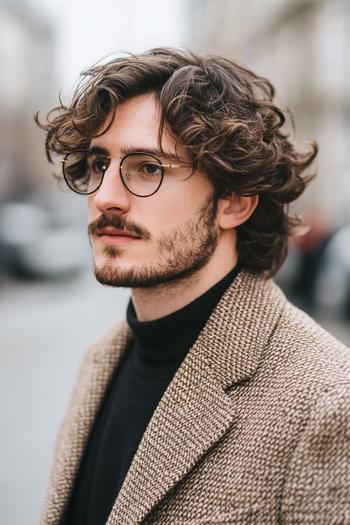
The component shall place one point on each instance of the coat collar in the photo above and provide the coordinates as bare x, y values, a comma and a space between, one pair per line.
195, 410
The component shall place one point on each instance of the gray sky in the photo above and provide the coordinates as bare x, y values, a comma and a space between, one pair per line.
87, 31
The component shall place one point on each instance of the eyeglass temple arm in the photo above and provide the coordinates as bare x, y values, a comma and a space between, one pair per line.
174, 165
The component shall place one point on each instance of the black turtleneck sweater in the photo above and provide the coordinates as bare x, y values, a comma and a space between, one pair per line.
141, 379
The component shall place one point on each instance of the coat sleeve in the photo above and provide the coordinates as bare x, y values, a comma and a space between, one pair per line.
317, 488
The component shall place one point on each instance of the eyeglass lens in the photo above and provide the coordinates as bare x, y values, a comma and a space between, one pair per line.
141, 173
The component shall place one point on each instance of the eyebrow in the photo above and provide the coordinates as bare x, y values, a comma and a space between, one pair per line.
126, 150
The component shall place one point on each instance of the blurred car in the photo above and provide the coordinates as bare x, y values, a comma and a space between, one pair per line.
333, 280
299, 275
31, 247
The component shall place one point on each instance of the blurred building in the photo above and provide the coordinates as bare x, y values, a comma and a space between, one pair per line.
27, 80
303, 47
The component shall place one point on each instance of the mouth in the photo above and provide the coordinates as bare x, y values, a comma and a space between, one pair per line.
114, 236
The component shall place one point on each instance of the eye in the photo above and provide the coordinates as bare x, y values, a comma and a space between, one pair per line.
151, 168
99, 165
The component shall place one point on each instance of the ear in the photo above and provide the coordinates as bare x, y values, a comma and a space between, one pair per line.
235, 210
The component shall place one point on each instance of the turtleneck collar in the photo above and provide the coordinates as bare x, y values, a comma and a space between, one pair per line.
167, 339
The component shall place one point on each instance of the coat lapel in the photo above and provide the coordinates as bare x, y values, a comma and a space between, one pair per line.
195, 411
191, 416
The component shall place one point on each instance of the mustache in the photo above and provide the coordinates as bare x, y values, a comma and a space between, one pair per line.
116, 221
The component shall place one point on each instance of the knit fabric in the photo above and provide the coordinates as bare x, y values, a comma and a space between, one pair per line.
158, 348
254, 428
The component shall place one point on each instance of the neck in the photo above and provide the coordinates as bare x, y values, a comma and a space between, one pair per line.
158, 301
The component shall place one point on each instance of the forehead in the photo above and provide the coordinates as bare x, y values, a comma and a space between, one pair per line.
136, 122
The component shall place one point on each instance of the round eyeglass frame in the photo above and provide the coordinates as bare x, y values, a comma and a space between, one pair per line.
133, 153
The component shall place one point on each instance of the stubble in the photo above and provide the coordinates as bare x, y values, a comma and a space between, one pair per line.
180, 253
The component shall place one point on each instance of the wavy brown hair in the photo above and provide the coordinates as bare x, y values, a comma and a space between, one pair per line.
225, 117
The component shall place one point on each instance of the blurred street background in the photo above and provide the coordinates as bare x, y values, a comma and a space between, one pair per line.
51, 308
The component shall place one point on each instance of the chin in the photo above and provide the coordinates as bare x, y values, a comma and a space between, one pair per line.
114, 272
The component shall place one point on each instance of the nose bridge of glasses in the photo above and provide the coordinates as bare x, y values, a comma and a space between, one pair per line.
112, 163
119, 162
112, 173
112, 191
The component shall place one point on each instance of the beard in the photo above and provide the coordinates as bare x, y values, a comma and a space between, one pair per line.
181, 252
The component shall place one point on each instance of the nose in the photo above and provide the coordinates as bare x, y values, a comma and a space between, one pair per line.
112, 195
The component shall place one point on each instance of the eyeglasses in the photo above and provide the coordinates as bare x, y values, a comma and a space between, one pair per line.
141, 173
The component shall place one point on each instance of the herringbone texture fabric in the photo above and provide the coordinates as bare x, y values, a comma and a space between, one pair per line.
253, 429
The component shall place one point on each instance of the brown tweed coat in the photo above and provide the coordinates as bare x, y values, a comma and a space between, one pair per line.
254, 428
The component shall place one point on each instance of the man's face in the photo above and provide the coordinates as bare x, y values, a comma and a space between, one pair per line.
175, 231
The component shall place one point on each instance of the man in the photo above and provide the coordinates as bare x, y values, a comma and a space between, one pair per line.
217, 401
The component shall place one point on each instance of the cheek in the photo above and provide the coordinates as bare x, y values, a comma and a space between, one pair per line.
172, 208
169, 212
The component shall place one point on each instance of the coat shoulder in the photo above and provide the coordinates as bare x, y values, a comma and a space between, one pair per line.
304, 350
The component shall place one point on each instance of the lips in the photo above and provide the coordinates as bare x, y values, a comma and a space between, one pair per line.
115, 232
110, 236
